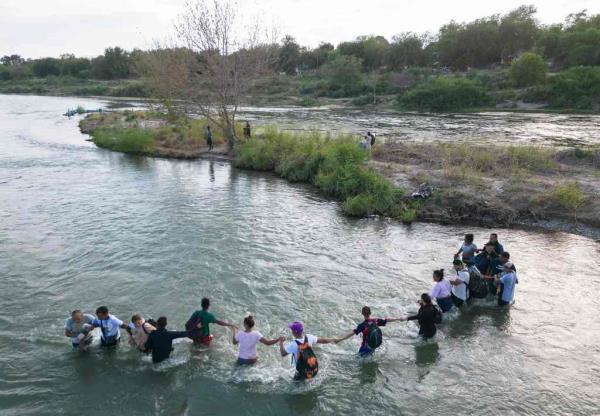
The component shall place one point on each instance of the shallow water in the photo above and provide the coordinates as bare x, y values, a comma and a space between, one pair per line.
81, 227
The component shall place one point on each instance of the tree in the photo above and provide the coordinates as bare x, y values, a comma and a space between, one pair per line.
518, 30
407, 49
46, 67
114, 64
220, 59
474, 44
12, 60
530, 69
313, 59
371, 50
289, 55
344, 74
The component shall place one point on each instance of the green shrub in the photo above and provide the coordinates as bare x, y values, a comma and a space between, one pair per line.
577, 88
336, 166
530, 69
409, 216
445, 94
363, 100
569, 196
134, 140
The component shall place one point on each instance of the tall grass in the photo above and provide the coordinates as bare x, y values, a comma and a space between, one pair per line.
130, 140
336, 166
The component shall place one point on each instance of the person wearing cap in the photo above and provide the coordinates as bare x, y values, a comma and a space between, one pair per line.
297, 329
460, 283
506, 284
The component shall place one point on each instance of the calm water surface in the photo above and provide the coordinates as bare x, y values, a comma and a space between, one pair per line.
81, 227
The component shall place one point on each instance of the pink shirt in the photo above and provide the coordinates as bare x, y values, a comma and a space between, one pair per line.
441, 289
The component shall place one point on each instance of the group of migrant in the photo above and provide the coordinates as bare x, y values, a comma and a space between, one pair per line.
475, 277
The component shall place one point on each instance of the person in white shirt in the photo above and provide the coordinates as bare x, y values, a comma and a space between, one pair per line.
109, 326
297, 329
247, 341
460, 283
78, 328
442, 291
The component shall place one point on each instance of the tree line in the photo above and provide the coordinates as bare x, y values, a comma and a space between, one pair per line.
481, 43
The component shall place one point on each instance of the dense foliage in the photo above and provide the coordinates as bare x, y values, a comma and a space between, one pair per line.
577, 87
530, 69
445, 93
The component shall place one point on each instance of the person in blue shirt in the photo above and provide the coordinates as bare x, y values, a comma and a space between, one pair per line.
483, 261
363, 329
506, 285
109, 326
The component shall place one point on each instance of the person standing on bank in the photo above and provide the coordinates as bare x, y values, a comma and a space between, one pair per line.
247, 130
209, 138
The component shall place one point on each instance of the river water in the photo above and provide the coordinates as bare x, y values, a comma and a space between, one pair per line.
81, 227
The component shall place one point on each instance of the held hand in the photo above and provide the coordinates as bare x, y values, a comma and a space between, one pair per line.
281, 339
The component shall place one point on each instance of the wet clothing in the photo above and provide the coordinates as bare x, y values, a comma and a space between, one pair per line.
468, 251
498, 249
460, 291
247, 342
140, 335
79, 327
363, 328
445, 304
160, 342
205, 318
426, 319
507, 288
292, 347
110, 330
441, 289
484, 262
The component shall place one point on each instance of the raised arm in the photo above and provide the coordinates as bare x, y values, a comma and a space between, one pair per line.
265, 341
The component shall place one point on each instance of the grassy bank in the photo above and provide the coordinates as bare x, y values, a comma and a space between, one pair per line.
501, 185
150, 133
71, 86
335, 166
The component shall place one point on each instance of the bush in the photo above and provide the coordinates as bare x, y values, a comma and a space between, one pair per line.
134, 140
530, 69
335, 166
344, 76
445, 94
577, 88
568, 196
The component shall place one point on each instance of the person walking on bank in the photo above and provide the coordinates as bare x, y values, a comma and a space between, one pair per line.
428, 316
160, 342
247, 130
209, 138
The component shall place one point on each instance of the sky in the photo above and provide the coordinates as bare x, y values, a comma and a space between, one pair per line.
38, 28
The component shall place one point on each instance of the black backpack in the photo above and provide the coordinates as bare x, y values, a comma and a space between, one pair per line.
149, 321
478, 287
307, 365
374, 336
194, 325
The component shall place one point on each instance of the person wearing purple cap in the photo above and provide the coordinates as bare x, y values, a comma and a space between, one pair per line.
300, 342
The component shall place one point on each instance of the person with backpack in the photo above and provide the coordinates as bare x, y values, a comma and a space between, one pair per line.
160, 342
428, 316
442, 291
109, 326
140, 329
372, 337
247, 341
484, 260
199, 322
303, 356
460, 283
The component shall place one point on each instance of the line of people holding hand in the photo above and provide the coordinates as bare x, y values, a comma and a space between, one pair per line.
488, 269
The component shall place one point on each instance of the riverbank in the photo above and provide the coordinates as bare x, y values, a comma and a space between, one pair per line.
501, 186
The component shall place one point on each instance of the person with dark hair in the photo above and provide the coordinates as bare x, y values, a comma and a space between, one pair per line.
160, 342
442, 291
79, 329
199, 322
498, 249
247, 340
109, 326
497, 270
371, 138
484, 260
468, 249
369, 329
427, 317
209, 138
247, 130
460, 283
